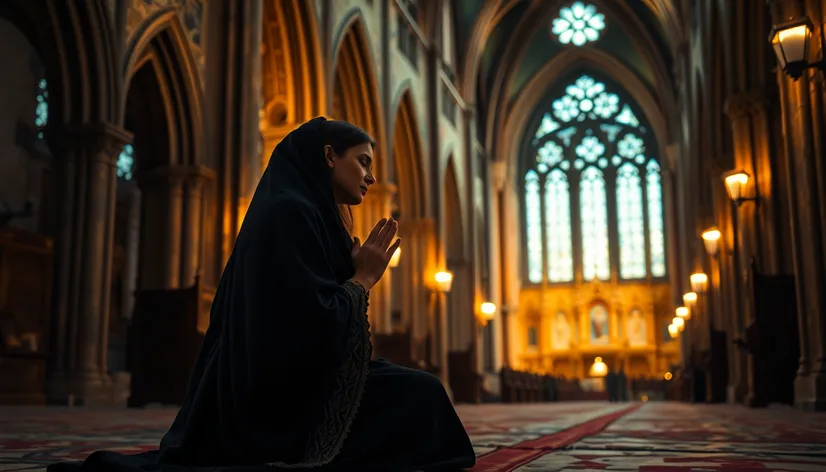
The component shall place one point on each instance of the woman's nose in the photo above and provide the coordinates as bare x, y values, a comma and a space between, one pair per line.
370, 179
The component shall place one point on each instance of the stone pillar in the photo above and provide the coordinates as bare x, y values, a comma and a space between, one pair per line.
497, 173
193, 224
86, 160
802, 102
130, 269
233, 70
163, 201
415, 262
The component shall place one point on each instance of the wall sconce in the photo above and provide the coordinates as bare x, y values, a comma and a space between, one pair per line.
683, 312
679, 323
690, 299
444, 281
599, 369
736, 183
699, 282
711, 239
673, 331
487, 311
791, 41
394, 259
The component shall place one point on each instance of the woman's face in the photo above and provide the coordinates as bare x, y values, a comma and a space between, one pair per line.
351, 173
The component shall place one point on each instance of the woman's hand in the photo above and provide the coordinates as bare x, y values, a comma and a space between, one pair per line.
371, 259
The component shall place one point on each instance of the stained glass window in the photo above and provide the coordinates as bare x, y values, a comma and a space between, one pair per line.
588, 141
593, 212
578, 24
656, 235
126, 161
558, 227
631, 222
41, 117
533, 218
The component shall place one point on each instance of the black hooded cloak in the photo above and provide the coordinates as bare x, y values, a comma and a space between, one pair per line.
284, 379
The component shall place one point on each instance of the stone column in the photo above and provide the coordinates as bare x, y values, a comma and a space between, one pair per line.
86, 160
130, 269
193, 225
497, 173
163, 201
233, 70
415, 262
802, 102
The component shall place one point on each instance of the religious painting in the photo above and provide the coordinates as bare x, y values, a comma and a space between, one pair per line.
635, 328
561, 334
599, 322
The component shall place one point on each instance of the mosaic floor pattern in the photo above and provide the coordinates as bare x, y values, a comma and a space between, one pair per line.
508, 438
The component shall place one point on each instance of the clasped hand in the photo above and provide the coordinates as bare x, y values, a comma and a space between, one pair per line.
371, 258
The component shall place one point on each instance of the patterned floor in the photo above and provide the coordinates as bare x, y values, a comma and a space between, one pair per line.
508, 438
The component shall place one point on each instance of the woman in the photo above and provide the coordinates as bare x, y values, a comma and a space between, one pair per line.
284, 378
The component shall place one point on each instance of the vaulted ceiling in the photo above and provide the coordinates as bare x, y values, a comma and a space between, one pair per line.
503, 44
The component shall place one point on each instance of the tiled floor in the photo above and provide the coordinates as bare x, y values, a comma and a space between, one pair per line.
530, 437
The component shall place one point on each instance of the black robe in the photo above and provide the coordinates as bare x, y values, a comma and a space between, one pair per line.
284, 379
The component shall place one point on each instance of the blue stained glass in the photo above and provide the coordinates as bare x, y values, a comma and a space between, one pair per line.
41, 117
560, 252
656, 234
126, 161
631, 222
593, 209
533, 220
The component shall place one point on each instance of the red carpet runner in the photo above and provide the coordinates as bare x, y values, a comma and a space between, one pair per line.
507, 459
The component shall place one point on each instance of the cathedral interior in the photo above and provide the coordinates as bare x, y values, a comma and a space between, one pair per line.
588, 190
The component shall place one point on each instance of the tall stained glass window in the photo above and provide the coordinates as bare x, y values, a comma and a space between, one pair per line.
533, 215
41, 112
591, 150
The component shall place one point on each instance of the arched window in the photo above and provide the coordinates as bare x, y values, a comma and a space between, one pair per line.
41, 112
592, 157
126, 161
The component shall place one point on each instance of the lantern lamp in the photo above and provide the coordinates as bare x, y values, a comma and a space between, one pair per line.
444, 281
711, 239
699, 282
791, 41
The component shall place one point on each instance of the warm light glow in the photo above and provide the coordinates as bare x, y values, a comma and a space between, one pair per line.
711, 239
699, 282
683, 312
444, 280
790, 42
644, 398
679, 323
487, 310
668, 376
736, 185
394, 259
599, 369
689, 299
673, 330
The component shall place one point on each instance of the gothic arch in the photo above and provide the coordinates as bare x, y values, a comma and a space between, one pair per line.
161, 45
75, 42
292, 72
407, 152
355, 90
533, 93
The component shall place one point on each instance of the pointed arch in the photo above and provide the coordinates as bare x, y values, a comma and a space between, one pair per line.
407, 153
355, 90
75, 42
516, 126
292, 71
162, 45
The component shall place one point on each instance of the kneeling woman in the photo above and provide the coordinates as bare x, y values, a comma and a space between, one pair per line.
284, 378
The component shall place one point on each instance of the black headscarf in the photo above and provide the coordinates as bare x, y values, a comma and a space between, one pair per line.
283, 364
